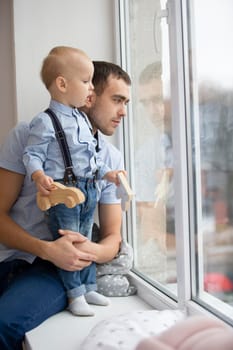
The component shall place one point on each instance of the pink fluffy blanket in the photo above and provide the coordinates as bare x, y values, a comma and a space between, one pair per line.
193, 333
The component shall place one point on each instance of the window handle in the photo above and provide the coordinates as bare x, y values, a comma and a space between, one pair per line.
163, 13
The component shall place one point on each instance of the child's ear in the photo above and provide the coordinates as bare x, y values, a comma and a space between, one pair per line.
61, 83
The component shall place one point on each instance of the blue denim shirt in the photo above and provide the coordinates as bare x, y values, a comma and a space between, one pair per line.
43, 151
25, 211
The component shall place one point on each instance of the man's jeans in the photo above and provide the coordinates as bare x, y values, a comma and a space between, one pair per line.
78, 219
29, 294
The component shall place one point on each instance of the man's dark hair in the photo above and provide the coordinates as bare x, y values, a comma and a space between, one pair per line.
102, 71
150, 72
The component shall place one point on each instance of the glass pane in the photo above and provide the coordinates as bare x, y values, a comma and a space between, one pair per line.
152, 166
211, 53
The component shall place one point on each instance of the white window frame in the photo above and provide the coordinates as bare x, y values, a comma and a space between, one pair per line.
185, 210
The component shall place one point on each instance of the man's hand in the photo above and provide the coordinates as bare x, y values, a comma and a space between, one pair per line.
64, 254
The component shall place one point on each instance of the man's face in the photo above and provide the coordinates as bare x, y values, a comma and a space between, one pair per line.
151, 97
109, 108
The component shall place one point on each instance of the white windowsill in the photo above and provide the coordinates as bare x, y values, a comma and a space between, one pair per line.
65, 331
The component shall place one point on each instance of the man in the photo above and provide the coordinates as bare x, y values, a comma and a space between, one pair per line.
27, 254
153, 173
151, 166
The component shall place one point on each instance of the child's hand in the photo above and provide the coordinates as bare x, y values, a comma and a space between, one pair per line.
111, 176
43, 182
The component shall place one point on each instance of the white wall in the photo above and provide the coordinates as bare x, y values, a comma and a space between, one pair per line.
40, 25
7, 82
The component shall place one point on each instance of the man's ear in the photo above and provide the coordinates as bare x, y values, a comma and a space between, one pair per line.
61, 83
90, 100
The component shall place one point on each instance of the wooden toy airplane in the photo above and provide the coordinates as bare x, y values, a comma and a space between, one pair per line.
70, 196
124, 192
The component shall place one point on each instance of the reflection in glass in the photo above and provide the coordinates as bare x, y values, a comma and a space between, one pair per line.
154, 241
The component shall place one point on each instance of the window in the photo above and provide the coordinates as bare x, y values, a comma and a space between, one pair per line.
180, 147
154, 236
211, 101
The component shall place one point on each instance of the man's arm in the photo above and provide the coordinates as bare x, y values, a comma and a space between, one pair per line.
110, 217
60, 252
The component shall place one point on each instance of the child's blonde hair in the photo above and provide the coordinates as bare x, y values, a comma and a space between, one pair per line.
60, 62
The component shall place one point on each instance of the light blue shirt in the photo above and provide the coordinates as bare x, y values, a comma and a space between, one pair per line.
25, 211
154, 154
43, 151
